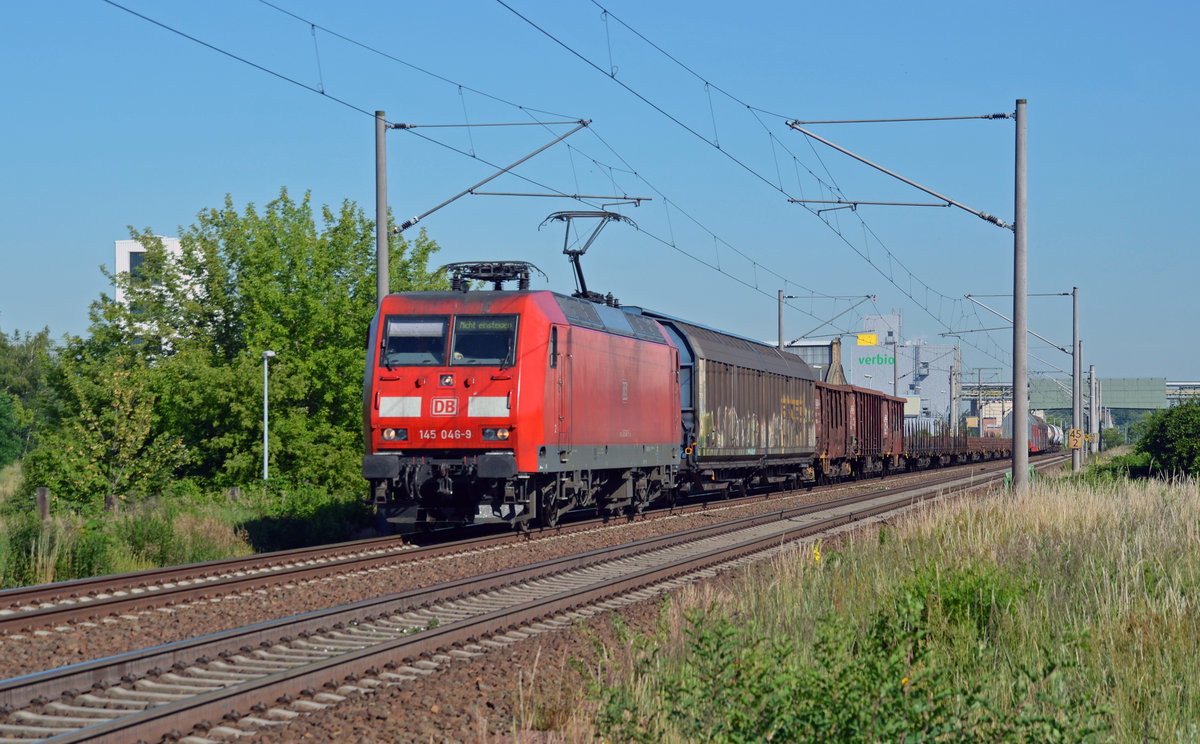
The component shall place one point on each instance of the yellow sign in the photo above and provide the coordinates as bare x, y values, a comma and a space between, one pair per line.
1075, 439
868, 339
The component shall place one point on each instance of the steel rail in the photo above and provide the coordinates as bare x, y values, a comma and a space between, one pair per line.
207, 571
49, 605
135, 592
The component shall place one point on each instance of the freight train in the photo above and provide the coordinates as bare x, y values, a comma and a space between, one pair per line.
518, 406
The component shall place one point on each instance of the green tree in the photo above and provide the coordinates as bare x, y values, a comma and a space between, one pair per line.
1138, 425
194, 326
1172, 439
10, 430
25, 360
1111, 437
111, 444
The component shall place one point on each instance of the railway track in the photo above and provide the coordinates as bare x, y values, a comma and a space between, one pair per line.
26, 609
220, 686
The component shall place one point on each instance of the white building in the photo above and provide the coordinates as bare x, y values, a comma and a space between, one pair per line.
130, 254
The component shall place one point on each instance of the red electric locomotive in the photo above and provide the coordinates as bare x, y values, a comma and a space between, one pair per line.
515, 406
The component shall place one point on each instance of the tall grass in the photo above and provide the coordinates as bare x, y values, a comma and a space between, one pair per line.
188, 526
1068, 614
32, 552
10, 480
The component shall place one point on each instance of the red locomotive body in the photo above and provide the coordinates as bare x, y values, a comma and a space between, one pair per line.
515, 406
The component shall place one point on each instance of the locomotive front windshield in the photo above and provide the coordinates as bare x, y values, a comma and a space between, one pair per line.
484, 340
415, 342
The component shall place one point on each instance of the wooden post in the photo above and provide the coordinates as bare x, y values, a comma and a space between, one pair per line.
110, 502
43, 503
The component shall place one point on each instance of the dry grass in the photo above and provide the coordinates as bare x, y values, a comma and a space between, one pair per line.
10, 480
1104, 579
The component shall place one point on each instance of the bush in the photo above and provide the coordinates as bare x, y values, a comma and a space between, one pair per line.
292, 516
738, 684
1172, 439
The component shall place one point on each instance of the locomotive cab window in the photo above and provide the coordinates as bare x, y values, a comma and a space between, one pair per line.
410, 341
487, 340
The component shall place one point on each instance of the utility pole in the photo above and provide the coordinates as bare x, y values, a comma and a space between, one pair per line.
957, 388
781, 320
1020, 429
1019, 227
1094, 410
979, 399
381, 221
1076, 380
268, 354
953, 399
896, 364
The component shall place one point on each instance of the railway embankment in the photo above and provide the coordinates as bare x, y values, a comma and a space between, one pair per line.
1069, 614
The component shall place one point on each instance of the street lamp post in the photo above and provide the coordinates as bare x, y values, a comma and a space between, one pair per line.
265, 356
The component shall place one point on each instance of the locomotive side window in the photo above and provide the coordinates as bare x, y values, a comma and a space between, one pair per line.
410, 341
484, 340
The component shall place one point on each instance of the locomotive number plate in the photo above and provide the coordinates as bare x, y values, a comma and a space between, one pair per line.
444, 434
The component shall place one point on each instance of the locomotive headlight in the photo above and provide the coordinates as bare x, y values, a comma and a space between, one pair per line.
395, 435
493, 435
502, 434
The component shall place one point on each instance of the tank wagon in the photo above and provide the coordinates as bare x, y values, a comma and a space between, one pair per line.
517, 406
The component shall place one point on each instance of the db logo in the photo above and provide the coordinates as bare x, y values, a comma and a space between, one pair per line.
444, 406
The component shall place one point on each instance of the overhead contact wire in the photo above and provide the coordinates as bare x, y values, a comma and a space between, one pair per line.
709, 85
243, 60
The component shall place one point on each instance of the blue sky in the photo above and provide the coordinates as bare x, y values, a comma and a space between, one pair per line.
112, 121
